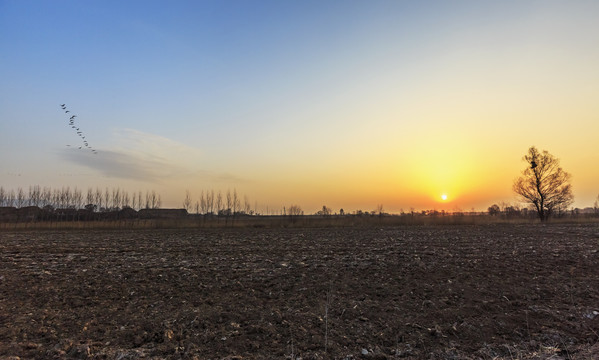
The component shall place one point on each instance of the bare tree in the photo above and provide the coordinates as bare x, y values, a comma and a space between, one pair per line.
116, 198
47, 197
219, 202
10, 198
595, 205
229, 201
247, 208
210, 201
139, 200
203, 203
60, 198
187, 201
295, 210
20, 197
35, 195
29, 197
77, 199
39, 195
236, 202
134, 201
2, 197
544, 184
107, 199
153, 201
56, 198
98, 198
125, 199
89, 198
67, 196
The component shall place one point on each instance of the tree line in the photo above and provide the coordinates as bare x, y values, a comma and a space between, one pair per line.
219, 203
97, 199
228, 203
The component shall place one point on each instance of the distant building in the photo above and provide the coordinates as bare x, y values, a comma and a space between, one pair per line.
162, 213
127, 213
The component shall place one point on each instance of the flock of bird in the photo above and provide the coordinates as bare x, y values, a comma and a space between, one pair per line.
78, 130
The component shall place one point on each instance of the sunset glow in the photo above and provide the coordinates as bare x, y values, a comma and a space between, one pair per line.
344, 104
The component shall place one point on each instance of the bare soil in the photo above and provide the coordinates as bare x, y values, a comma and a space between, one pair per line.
423, 292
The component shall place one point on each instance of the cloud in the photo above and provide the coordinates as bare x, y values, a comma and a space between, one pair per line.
118, 164
140, 156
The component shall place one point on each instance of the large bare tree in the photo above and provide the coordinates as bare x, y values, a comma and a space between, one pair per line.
544, 184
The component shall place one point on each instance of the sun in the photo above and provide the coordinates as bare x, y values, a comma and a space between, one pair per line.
444, 197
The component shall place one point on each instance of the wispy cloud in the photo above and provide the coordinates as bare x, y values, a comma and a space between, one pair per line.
118, 164
147, 157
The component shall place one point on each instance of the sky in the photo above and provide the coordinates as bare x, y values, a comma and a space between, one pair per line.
348, 104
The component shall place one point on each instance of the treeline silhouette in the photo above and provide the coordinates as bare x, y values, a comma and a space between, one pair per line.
509, 211
212, 202
93, 200
39, 204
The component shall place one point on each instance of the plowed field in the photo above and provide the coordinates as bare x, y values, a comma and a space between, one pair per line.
432, 292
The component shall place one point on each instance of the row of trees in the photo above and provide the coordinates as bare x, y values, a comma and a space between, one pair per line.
230, 203
67, 198
217, 203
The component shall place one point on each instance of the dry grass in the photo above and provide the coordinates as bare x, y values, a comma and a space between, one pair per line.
309, 221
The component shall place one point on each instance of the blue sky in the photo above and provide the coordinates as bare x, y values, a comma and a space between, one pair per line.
286, 100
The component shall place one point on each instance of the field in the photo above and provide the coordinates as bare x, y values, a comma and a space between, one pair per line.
422, 292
